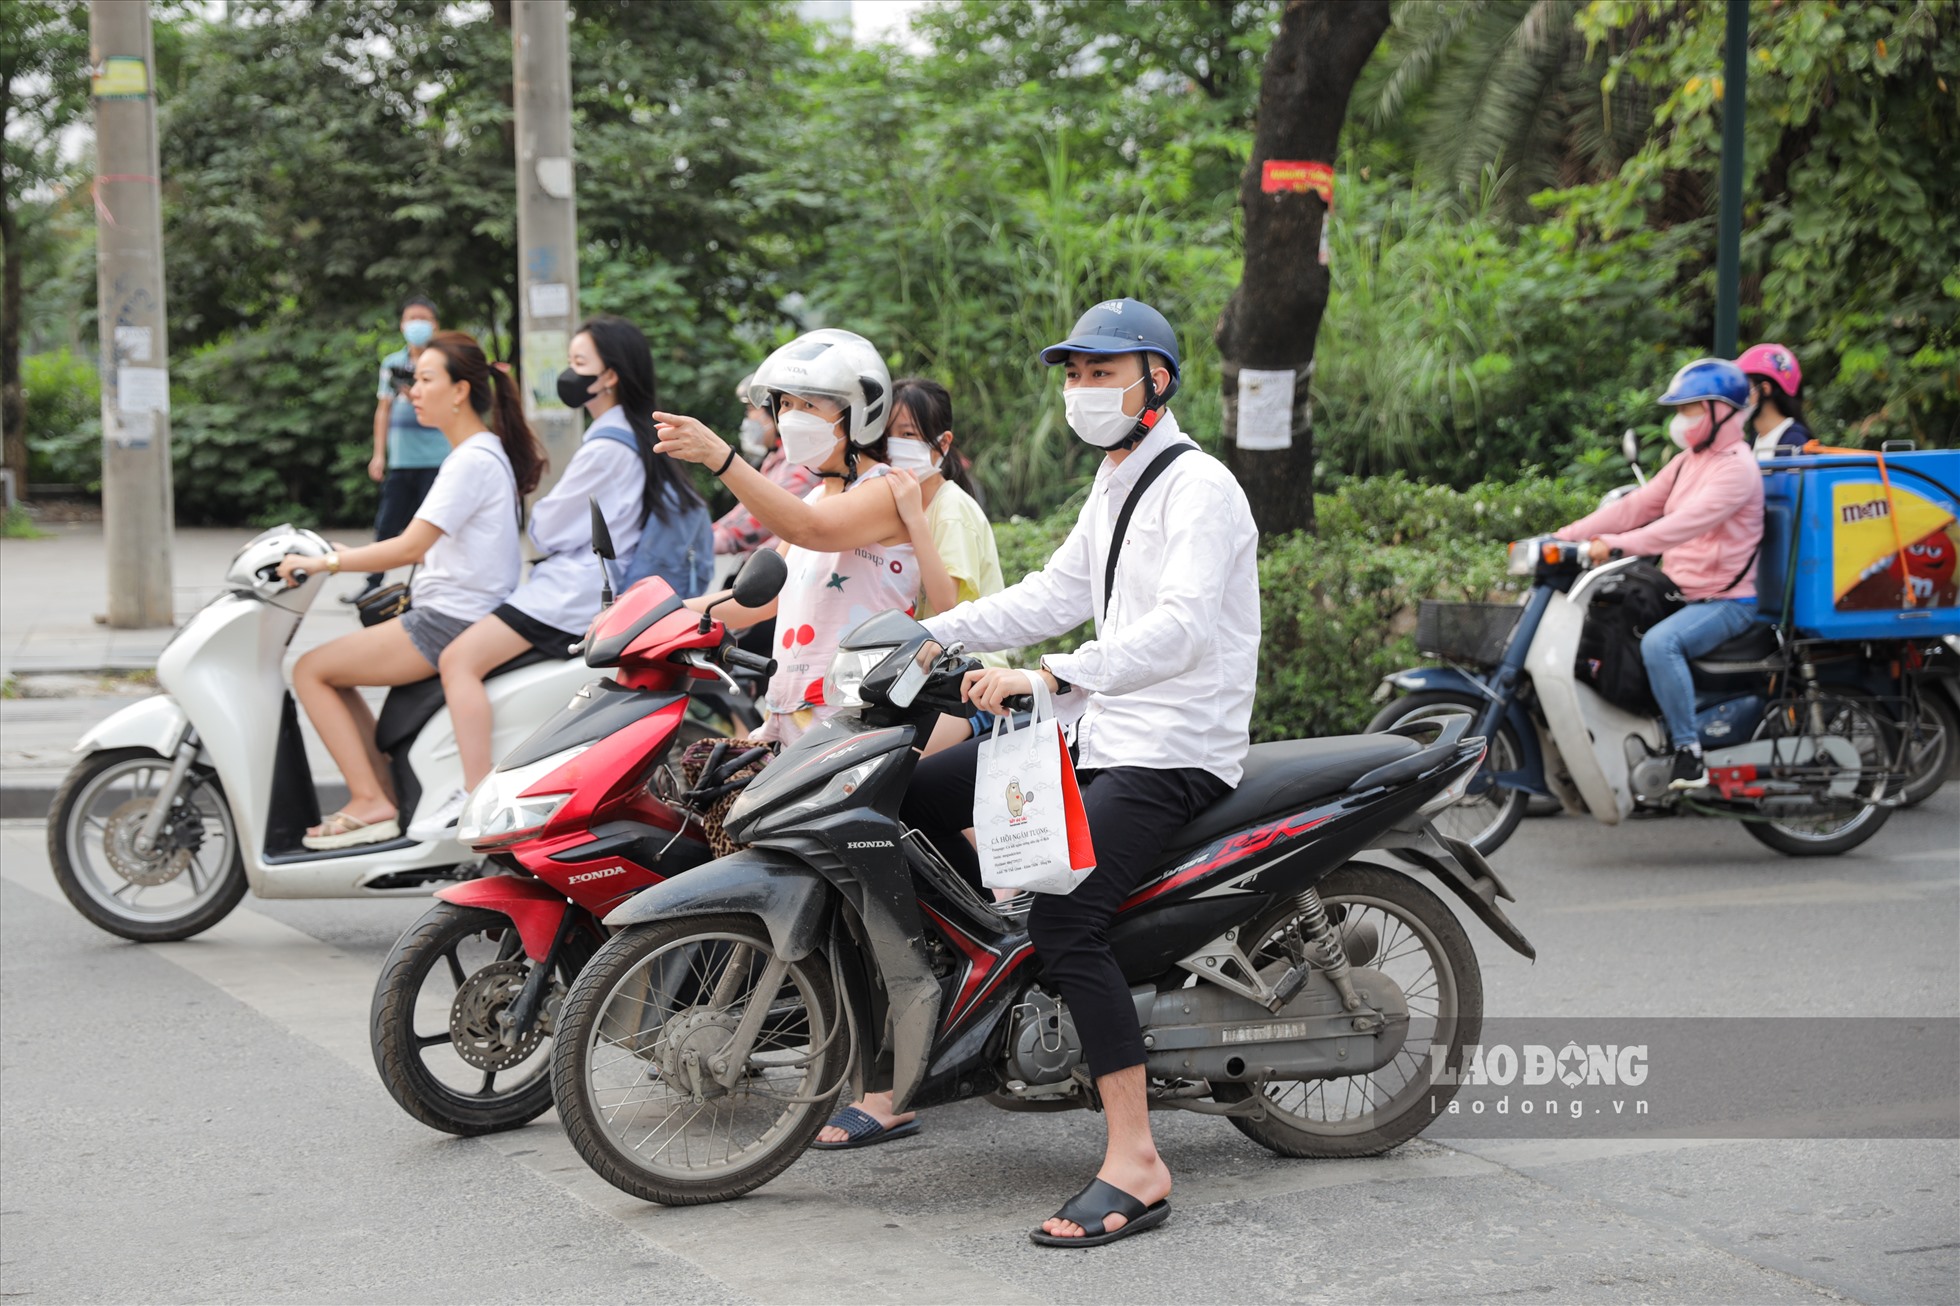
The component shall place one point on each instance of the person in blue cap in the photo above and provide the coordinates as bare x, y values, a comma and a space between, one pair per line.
1703, 513
1162, 703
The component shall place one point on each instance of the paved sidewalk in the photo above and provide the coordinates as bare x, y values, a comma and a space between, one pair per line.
50, 644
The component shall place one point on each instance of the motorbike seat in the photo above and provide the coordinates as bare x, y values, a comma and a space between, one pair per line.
408, 707
1752, 645
1288, 775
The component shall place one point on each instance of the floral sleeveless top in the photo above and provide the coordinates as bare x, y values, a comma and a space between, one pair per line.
826, 596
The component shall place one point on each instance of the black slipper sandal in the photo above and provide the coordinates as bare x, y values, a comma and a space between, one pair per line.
861, 1129
1094, 1205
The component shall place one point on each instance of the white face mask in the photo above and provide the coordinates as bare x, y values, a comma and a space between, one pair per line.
808, 440
755, 442
914, 456
1096, 413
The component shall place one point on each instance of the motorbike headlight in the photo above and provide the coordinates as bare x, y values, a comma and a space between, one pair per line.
832, 792
843, 684
500, 811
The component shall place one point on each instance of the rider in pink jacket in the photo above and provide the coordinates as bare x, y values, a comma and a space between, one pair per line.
1704, 514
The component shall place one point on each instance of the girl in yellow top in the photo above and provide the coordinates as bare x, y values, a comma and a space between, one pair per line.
935, 501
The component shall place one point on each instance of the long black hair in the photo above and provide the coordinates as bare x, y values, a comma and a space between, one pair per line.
931, 407
622, 347
1786, 403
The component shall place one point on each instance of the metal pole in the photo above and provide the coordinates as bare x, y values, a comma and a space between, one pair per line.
136, 495
1728, 251
547, 221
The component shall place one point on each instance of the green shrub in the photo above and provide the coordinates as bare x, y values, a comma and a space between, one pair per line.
276, 425
64, 419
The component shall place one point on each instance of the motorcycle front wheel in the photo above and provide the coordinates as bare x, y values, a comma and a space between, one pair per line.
188, 881
1485, 820
640, 1060
1392, 924
440, 1025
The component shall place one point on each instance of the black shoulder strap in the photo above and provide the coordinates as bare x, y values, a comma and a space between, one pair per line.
1150, 473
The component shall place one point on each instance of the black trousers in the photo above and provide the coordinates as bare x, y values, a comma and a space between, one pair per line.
402, 492
1132, 813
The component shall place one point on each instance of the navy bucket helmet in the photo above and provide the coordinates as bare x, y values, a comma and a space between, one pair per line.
1120, 326
1125, 326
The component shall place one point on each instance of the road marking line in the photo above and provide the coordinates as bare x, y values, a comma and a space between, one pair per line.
1815, 893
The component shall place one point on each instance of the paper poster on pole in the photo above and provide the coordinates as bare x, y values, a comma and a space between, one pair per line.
142, 389
132, 430
544, 356
133, 343
551, 299
1265, 409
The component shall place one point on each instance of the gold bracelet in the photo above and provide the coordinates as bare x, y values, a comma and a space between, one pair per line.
333, 564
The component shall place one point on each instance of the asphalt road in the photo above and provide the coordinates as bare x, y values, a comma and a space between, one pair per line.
203, 1121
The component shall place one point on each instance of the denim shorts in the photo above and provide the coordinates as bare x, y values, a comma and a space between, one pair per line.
431, 632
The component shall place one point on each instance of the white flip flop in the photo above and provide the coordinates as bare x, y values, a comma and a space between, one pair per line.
343, 831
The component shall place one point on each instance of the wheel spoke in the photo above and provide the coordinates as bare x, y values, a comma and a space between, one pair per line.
489, 1081
430, 1040
455, 966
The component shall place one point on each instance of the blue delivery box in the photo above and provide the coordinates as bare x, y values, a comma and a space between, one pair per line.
1853, 559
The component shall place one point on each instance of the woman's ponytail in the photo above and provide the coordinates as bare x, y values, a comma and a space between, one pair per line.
527, 459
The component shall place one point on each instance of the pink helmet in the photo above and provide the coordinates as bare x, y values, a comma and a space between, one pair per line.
1774, 362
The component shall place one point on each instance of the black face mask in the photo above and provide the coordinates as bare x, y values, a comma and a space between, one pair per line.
575, 388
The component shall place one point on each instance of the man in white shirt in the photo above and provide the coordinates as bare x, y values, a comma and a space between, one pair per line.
1165, 693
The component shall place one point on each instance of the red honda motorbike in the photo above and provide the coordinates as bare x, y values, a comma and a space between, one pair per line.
584, 814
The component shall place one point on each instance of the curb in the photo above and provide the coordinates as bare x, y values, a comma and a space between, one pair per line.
31, 800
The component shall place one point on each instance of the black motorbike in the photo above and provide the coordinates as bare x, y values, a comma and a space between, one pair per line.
1304, 994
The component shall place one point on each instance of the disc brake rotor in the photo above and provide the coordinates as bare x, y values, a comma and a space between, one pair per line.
478, 1029
170, 857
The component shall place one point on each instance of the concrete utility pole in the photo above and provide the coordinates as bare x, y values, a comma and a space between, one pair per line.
136, 496
547, 221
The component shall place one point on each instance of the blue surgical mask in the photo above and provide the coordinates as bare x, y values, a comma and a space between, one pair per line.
419, 331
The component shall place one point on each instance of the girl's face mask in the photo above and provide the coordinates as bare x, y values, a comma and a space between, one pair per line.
916, 457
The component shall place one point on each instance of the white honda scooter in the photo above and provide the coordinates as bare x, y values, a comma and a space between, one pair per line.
184, 800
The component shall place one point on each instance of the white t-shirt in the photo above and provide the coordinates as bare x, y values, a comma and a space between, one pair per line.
563, 588
474, 565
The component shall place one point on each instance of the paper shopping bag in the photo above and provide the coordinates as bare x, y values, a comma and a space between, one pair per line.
1028, 821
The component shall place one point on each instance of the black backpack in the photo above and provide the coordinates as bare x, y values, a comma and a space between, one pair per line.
1624, 608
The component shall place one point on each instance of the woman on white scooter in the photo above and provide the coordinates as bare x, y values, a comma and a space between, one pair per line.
1704, 513
611, 377
464, 543
850, 556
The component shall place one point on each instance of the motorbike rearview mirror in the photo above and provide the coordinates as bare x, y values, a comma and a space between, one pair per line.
1630, 445
601, 537
760, 579
603, 546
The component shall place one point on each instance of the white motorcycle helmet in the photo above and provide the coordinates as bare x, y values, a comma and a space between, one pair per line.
840, 366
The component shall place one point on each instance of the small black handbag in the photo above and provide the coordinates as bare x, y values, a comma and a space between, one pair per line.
386, 603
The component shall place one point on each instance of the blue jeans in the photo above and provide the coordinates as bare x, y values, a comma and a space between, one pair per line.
1689, 633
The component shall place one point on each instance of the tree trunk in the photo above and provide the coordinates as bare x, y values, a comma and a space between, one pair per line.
1270, 324
13, 401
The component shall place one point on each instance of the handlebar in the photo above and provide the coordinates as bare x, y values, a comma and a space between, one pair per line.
747, 661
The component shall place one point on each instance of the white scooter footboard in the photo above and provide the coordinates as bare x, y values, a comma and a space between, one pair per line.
1589, 731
